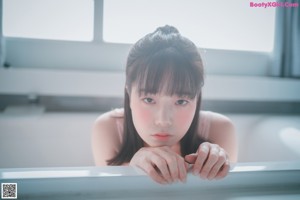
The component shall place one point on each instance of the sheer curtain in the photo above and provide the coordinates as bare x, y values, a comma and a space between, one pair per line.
287, 41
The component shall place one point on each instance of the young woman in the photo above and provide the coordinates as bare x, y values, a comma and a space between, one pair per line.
161, 128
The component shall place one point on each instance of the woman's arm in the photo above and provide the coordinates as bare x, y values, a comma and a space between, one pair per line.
222, 132
212, 159
105, 140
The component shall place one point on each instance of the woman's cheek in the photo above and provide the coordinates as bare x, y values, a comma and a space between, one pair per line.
184, 118
142, 115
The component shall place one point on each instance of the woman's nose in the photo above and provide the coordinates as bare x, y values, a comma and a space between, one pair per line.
164, 117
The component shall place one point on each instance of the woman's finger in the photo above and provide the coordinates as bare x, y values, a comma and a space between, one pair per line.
191, 158
153, 173
210, 162
162, 166
217, 167
182, 169
170, 157
151, 163
202, 155
223, 171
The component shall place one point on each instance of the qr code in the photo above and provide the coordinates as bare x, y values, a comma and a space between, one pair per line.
9, 190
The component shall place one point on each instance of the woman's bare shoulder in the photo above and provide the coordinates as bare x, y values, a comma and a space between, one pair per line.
108, 119
216, 119
222, 132
105, 137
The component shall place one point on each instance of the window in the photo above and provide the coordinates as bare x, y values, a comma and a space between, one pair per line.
230, 24
234, 38
49, 19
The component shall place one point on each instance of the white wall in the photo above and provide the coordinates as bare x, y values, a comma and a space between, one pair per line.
111, 84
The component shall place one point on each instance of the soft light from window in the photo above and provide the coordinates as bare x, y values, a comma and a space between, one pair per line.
210, 24
291, 138
49, 19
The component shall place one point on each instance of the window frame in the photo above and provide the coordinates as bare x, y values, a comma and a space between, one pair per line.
59, 54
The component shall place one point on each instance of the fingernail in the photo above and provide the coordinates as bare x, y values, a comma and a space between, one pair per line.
204, 148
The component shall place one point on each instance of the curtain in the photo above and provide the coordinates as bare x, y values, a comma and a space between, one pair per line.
287, 40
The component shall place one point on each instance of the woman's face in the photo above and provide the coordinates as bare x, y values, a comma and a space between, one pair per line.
161, 120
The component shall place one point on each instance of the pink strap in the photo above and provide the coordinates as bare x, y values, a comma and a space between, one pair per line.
205, 121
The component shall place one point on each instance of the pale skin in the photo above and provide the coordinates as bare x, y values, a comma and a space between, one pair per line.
160, 157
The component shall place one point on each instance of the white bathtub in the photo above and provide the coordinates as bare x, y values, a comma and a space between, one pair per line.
259, 181
33, 138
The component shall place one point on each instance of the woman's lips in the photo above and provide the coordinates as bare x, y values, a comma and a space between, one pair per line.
161, 136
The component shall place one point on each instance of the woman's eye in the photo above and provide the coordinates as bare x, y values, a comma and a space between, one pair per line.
148, 100
181, 102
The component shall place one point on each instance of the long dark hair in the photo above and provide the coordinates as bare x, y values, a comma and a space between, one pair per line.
162, 59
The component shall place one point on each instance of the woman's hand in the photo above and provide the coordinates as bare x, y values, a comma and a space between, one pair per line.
210, 161
162, 164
